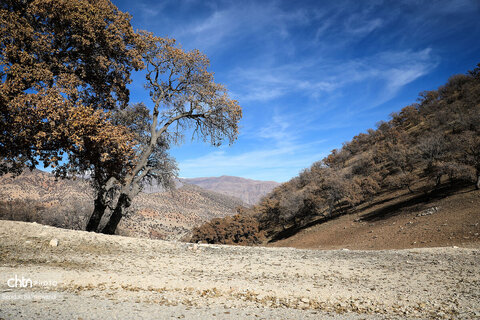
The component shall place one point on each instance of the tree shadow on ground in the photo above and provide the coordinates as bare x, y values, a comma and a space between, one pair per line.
419, 198
291, 231
385, 212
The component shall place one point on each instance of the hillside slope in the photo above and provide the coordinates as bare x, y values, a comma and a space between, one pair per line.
397, 220
426, 152
172, 214
38, 196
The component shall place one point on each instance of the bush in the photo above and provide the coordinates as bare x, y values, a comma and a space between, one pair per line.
240, 229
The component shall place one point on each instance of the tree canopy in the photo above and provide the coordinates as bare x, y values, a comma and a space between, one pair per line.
64, 62
185, 99
64, 100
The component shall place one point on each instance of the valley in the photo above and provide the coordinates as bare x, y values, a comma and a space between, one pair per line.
158, 214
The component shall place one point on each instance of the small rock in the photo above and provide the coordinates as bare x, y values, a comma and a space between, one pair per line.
427, 212
54, 242
193, 247
305, 300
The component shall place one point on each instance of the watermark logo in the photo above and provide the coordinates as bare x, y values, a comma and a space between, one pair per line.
29, 287
22, 282
19, 283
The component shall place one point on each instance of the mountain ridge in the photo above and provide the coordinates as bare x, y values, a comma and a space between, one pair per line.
248, 190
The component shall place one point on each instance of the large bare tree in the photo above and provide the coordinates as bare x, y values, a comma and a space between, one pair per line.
185, 101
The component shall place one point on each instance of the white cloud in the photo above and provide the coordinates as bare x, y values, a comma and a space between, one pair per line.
239, 20
280, 153
390, 70
359, 26
277, 163
264, 83
278, 130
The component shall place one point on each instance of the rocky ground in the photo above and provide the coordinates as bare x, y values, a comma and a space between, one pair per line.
92, 276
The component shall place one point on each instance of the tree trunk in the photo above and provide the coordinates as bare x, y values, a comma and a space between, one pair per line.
98, 212
122, 204
438, 182
330, 210
409, 188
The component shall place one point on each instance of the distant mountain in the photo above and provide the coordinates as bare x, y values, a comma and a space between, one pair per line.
249, 191
38, 196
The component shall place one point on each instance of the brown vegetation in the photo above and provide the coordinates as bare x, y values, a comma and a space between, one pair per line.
429, 146
64, 99
398, 220
64, 63
242, 229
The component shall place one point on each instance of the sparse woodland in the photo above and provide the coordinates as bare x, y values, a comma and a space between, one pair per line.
430, 144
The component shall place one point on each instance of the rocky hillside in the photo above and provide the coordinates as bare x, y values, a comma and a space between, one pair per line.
249, 191
172, 214
38, 196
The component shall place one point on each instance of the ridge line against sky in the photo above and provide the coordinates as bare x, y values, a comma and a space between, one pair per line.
309, 74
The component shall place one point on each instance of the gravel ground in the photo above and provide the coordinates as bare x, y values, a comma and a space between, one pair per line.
93, 276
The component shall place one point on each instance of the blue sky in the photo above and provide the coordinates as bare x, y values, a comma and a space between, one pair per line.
310, 74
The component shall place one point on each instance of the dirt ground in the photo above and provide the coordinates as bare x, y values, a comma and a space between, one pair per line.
94, 276
400, 221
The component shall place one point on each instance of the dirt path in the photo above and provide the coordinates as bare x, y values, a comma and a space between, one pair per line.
92, 276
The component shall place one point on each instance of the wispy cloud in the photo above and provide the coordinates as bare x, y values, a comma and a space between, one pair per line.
279, 130
364, 27
344, 22
264, 83
257, 164
280, 148
237, 21
390, 71
312, 70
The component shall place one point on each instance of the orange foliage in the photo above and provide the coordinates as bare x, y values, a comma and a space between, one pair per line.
63, 63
